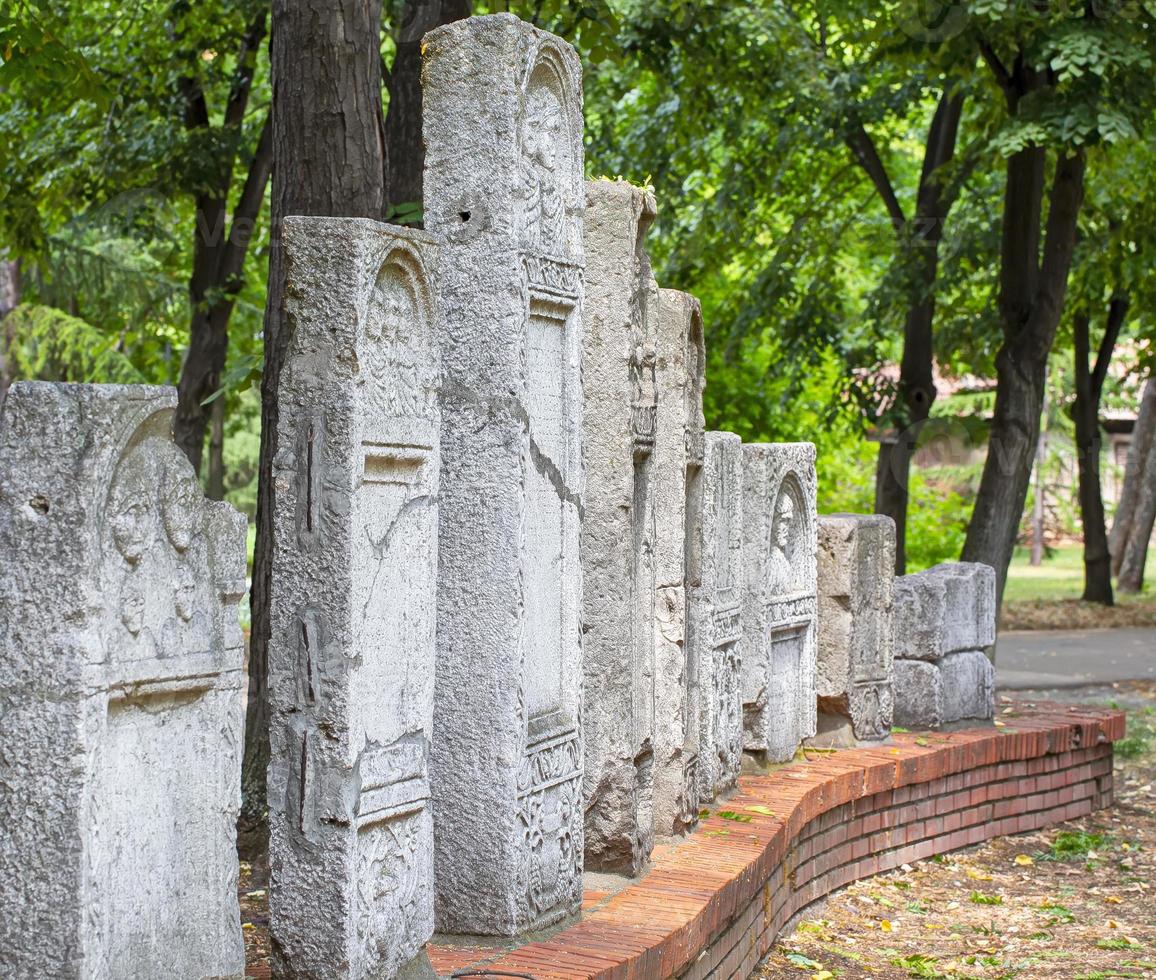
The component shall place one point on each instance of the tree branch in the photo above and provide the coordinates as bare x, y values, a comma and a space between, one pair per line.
1117, 314
863, 147
246, 66
246, 211
1002, 75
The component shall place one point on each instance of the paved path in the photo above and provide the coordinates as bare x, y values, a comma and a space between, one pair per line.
1070, 658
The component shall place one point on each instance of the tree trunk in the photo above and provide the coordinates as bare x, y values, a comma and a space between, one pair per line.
9, 300
1131, 579
1086, 412
916, 392
1142, 440
328, 149
1032, 293
218, 248
405, 152
1038, 499
215, 488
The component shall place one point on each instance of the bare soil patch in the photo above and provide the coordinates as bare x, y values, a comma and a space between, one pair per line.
1076, 901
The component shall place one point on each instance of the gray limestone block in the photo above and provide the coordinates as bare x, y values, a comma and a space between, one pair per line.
351, 654
778, 646
715, 613
619, 527
120, 693
855, 644
945, 609
504, 192
959, 687
676, 484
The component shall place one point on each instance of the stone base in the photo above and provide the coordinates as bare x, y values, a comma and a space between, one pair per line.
930, 695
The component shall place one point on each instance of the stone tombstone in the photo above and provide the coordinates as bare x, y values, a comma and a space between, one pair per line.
504, 190
715, 613
779, 598
856, 573
120, 693
944, 623
351, 653
676, 483
945, 609
618, 540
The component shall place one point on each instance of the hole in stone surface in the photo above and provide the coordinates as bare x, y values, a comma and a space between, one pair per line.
464, 215
39, 504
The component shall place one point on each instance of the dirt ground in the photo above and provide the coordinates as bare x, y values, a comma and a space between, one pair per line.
1074, 614
1076, 901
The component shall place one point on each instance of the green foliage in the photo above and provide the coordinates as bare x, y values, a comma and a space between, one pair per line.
1070, 844
49, 345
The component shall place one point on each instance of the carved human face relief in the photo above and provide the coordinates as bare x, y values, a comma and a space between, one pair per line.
784, 518
180, 505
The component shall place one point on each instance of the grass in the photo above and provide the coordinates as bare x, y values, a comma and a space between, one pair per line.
1061, 576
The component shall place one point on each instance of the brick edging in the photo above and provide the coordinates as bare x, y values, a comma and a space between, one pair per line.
712, 904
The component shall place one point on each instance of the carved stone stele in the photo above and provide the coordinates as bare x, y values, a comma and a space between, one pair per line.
120, 693
680, 358
715, 601
778, 648
504, 191
351, 652
618, 538
856, 576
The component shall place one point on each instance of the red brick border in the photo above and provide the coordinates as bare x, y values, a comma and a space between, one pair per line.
711, 905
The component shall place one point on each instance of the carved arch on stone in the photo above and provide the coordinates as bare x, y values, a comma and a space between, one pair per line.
546, 222
788, 537
396, 340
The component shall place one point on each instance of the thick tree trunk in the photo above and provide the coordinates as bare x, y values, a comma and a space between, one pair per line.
328, 151
405, 152
1031, 301
9, 300
1086, 412
916, 391
1131, 578
1142, 440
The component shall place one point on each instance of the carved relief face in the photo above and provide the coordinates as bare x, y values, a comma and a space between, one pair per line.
541, 127
131, 506
132, 607
784, 518
180, 504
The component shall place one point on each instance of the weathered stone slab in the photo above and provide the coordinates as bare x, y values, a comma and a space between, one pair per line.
677, 488
618, 541
779, 604
856, 642
930, 694
504, 189
943, 610
351, 657
120, 693
714, 599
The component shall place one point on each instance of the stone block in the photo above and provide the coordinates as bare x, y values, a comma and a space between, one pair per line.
945, 609
959, 687
677, 488
505, 193
779, 598
351, 653
619, 528
855, 648
120, 693
715, 597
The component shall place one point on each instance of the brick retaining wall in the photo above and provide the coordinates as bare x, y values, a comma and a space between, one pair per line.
712, 904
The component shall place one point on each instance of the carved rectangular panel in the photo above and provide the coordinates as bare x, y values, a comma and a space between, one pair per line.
542, 562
